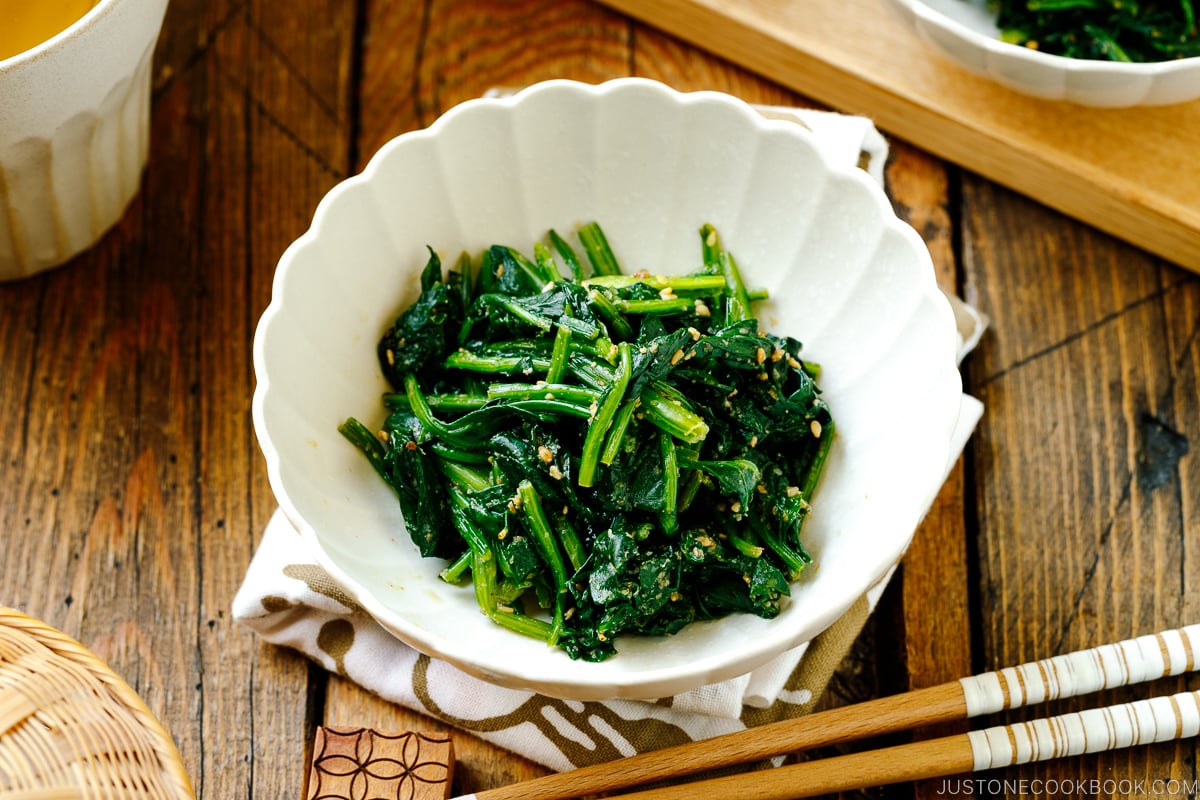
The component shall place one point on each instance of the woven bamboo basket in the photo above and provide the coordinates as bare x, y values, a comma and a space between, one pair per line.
71, 728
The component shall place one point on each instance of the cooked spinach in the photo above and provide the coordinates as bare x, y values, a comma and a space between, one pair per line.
599, 453
1108, 30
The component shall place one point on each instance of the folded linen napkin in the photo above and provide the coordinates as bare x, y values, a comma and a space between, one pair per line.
289, 600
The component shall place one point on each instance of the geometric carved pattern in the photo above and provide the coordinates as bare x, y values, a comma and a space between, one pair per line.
364, 764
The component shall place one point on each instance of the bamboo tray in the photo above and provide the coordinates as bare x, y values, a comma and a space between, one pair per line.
70, 728
1134, 173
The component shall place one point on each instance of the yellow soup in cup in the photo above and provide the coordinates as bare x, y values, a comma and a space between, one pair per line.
28, 23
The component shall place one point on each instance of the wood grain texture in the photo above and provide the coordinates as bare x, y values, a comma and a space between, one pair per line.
1127, 171
1081, 470
934, 576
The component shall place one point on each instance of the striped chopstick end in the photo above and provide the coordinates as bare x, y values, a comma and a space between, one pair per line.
1157, 719
1131, 661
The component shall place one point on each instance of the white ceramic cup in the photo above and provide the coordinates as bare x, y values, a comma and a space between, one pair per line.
74, 134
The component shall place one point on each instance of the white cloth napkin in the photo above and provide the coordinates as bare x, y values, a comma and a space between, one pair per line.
290, 601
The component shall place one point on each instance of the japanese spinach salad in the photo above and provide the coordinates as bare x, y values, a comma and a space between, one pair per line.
1106, 30
598, 453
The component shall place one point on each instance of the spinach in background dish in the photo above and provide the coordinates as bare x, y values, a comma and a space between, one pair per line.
602, 454
1108, 30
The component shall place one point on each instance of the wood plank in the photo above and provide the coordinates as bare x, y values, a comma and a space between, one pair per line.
244, 144
934, 577
1129, 172
1081, 464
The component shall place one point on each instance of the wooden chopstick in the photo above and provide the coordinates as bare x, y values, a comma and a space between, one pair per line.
1158, 719
1131, 661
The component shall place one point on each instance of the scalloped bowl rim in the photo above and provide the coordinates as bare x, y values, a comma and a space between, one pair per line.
616, 677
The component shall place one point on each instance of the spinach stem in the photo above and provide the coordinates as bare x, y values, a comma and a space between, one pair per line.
670, 465
545, 263
594, 439
361, 437
673, 305
539, 528
464, 476
464, 359
457, 568
518, 311
703, 284
607, 308
568, 255
595, 244
616, 432
422, 411
808, 486
558, 356
721, 261
485, 575
439, 402
670, 412
543, 391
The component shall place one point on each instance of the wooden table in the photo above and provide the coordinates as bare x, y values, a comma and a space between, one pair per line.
134, 493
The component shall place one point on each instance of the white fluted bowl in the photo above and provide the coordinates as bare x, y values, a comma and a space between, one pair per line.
847, 278
965, 30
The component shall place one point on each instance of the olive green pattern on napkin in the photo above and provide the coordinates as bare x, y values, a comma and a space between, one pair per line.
542, 713
343, 637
